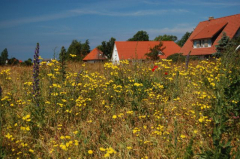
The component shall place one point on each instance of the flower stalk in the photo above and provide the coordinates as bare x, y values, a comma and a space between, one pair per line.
36, 88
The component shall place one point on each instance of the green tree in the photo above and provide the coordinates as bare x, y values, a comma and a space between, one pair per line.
63, 54
85, 49
74, 49
184, 39
140, 36
4, 56
107, 47
222, 46
62, 59
155, 52
13, 61
165, 37
28, 62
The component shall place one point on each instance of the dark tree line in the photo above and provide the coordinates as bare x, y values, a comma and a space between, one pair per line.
76, 51
107, 47
4, 57
4, 60
143, 36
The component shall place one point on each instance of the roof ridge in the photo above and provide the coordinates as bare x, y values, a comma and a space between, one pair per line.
222, 17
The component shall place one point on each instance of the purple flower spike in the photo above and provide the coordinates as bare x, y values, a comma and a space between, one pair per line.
36, 87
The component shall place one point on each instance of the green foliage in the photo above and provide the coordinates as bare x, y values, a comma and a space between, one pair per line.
13, 61
85, 49
140, 36
177, 57
107, 47
184, 39
27, 62
4, 56
77, 51
189, 151
62, 54
226, 107
74, 49
62, 59
165, 37
222, 46
155, 52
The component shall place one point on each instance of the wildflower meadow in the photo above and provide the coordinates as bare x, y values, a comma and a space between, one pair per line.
132, 110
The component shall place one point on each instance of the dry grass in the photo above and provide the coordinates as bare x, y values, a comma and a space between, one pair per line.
103, 110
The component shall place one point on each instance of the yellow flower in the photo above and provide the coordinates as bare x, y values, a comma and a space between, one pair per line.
76, 142
27, 128
107, 155
90, 152
72, 55
67, 137
102, 149
75, 132
183, 136
129, 147
8, 136
30, 150
114, 116
201, 120
63, 147
195, 131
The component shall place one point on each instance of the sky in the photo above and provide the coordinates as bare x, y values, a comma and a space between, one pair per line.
55, 23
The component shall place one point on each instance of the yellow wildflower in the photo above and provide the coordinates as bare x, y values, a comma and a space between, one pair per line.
90, 152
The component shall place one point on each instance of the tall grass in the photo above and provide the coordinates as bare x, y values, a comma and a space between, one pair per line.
121, 111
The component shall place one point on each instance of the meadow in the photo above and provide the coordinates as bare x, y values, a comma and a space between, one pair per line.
132, 110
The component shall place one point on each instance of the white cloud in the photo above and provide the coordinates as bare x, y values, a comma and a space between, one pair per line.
134, 13
26, 20
79, 12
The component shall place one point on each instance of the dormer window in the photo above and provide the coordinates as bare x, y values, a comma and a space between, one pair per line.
203, 43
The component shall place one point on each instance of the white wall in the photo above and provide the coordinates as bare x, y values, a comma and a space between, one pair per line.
115, 57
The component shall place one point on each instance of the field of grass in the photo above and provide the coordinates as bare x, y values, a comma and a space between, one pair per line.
131, 110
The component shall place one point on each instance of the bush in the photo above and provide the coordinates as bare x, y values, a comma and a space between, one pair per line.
177, 57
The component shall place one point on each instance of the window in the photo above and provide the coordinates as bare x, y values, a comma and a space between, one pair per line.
209, 42
203, 43
197, 44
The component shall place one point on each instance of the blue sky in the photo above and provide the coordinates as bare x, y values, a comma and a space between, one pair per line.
55, 23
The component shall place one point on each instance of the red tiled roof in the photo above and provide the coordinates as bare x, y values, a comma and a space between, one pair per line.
138, 49
209, 31
229, 24
95, 54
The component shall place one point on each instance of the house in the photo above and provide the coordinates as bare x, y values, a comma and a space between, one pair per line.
95, 56
46, 61
129, 50
206, 35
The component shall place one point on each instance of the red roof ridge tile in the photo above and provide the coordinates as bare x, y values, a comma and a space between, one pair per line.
221, 17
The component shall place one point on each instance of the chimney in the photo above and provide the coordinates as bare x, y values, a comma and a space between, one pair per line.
211, 18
